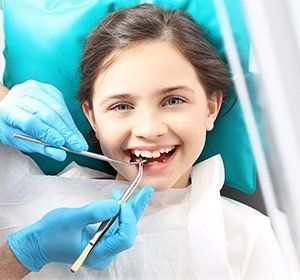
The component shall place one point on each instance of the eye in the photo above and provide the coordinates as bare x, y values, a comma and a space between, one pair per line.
121, 107
174, 101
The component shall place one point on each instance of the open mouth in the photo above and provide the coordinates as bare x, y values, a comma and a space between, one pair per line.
153, 157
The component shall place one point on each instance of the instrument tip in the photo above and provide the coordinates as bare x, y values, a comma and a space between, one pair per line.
139, 161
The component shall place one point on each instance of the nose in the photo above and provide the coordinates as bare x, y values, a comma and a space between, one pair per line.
149, 126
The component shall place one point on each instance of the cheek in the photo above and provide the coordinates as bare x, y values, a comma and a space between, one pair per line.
111, 135
191, 126
192, 131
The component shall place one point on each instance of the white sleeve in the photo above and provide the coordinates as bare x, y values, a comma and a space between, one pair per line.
266, 261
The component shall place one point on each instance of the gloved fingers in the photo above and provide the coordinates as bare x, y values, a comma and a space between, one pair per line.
53, 92
90, 230
54, 97
29, 147
51, 97
125, 236
47, 94
96, 212
32, 125
139, 200
127, 228
56, 154
112, 229
116, 194
73, 140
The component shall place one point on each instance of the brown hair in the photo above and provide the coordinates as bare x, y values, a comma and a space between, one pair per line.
127, 27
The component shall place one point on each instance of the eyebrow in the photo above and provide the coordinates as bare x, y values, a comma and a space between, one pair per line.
127, 96
170, 89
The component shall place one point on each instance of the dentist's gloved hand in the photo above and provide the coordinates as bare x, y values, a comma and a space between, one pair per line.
62, 234
38, 110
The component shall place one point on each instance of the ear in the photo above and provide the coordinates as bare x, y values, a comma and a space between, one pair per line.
89, 114
214, 105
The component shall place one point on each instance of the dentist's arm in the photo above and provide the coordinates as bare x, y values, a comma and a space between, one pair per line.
38, 110
10, 267
62, 234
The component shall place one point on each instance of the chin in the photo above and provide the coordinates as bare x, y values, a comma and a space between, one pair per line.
157, 185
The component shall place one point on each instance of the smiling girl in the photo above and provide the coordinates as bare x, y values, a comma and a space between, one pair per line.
152, 86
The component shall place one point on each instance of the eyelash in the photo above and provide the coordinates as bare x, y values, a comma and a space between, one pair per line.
118, 105
114, 108
176, 98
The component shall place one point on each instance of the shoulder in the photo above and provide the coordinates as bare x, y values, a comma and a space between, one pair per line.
242, 226
244, 216
252, 247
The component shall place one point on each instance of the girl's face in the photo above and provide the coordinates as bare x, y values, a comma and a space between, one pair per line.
150, 103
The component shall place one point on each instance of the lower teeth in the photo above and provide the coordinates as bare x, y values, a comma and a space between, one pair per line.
155, 162
152, 163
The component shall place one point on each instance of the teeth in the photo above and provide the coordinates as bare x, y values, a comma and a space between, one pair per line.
152, 163
155, 162
146, 154
156, 154
153, 154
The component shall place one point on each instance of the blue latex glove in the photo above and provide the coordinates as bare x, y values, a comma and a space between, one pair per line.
134, 201
62, 234
38, 110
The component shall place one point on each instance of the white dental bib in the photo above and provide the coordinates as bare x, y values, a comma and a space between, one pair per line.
181, 234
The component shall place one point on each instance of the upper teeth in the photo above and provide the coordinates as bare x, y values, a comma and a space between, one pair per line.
151, 154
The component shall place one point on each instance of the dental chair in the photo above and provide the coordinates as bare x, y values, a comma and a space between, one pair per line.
46, 46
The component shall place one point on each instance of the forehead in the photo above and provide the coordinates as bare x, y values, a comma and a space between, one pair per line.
146, 67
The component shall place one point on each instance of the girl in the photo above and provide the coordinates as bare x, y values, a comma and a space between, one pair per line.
152, 86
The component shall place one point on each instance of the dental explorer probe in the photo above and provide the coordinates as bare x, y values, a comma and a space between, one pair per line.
82, 153
103, 228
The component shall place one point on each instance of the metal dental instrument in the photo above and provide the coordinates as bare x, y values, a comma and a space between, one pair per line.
102, 229
104, 226
82, 153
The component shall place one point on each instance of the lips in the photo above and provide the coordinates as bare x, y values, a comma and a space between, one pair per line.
158, 167
151, 161
151, 155
154, 165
